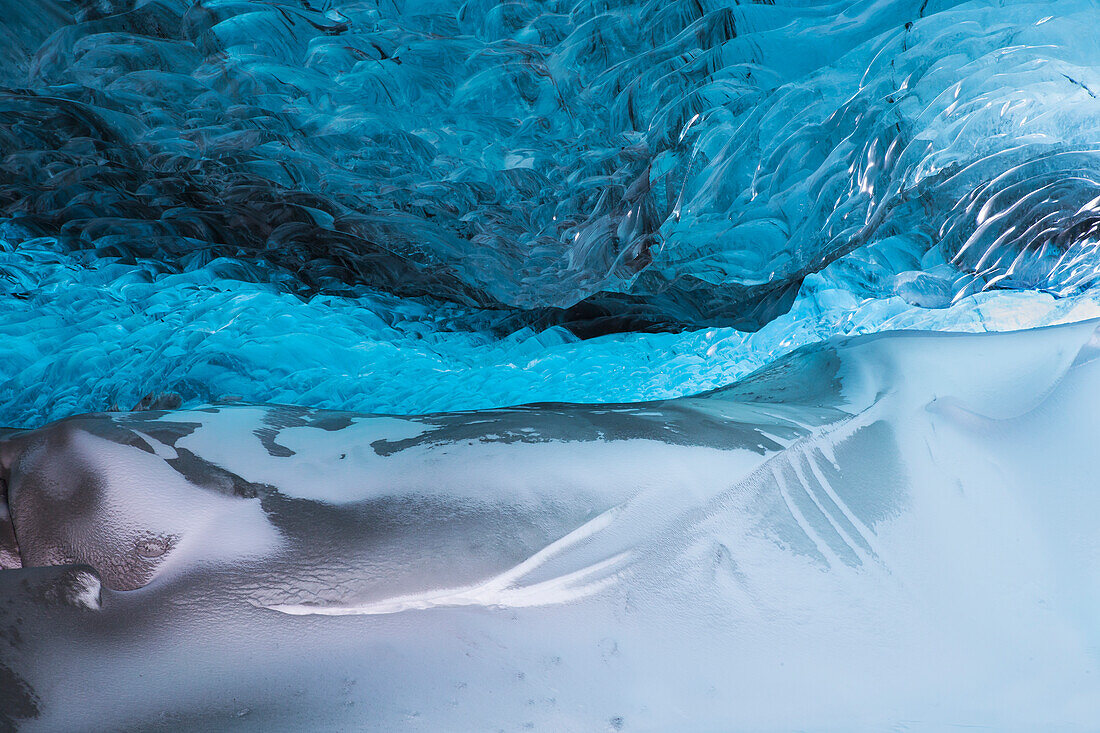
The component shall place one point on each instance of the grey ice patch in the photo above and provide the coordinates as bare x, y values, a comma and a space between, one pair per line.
673, 422
278, 417
827, 512
145, 430
872, 480
806, 376
17, 700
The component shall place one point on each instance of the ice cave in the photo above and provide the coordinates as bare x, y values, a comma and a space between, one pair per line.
556, 365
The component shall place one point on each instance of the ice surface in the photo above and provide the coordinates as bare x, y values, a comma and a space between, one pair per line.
890, 531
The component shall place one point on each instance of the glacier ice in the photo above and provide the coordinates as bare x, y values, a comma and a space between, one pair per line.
95, 335
480, 185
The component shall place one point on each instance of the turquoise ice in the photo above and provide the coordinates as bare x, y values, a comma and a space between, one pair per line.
426, 206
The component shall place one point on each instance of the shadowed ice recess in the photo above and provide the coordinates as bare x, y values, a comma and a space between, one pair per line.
421, 206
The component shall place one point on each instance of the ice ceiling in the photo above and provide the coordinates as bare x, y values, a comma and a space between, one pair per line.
416, 206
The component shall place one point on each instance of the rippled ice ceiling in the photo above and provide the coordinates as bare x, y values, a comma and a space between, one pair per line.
415, 206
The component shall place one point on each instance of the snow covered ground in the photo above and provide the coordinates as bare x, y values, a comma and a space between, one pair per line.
896, 531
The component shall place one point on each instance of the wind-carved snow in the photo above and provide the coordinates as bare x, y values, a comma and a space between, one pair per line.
915, 544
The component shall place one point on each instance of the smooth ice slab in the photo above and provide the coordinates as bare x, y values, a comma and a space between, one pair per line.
888, 531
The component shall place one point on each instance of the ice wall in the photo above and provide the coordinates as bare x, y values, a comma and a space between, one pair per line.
413, 206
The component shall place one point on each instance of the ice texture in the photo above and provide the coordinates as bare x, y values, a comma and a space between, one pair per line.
428, 205
891, 531
721, 243
93, 335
